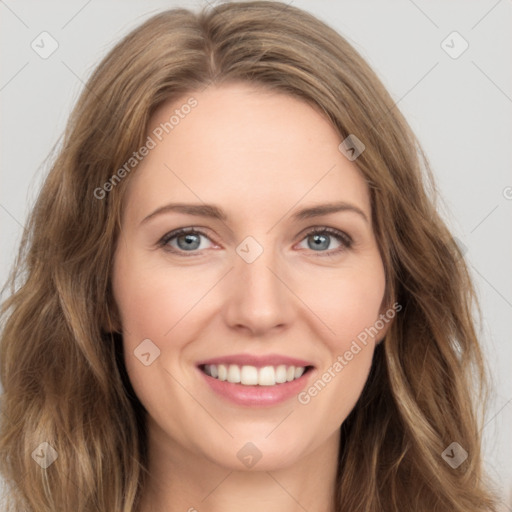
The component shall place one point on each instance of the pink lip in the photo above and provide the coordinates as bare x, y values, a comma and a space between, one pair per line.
257, 396
258, 361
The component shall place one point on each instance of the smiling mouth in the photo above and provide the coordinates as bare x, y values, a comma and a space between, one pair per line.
248, 375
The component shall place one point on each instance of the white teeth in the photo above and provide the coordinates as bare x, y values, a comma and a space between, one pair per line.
249, 375
233, 373
267, 376
281, 374
299, 370
223, 371
252, 376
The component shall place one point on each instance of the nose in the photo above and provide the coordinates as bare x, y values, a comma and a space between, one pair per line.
259, 296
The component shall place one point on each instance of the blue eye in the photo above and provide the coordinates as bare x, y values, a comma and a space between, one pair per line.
188, 240
321, 239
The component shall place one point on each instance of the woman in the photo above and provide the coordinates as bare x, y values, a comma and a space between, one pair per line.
315, 351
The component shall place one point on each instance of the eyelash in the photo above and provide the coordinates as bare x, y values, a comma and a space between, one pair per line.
343, 238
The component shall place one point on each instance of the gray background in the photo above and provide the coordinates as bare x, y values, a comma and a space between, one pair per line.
460, 108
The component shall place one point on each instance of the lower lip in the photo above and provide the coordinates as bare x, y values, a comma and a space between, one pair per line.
257, 395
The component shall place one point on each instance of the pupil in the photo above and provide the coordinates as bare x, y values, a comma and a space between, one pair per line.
190, 240
318, 241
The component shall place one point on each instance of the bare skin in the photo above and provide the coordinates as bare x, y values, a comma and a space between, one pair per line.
260, 157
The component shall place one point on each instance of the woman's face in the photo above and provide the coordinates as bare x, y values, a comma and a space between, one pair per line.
252, 289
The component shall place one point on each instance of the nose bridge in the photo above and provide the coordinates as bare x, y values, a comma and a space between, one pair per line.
256, 266
259, 299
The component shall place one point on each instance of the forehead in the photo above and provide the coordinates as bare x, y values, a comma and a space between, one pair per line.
251, 148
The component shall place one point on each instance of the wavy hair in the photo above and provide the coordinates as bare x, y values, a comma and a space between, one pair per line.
62, 368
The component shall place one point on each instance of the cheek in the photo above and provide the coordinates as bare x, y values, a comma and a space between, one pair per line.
351, 310
155, 303
348, 303
350, 306
151, 299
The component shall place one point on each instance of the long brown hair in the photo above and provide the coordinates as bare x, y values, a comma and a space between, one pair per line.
61, 367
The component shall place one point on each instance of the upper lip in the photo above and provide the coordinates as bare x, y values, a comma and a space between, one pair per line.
258, 361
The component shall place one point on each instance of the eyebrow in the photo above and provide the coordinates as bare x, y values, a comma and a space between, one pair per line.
214, 212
